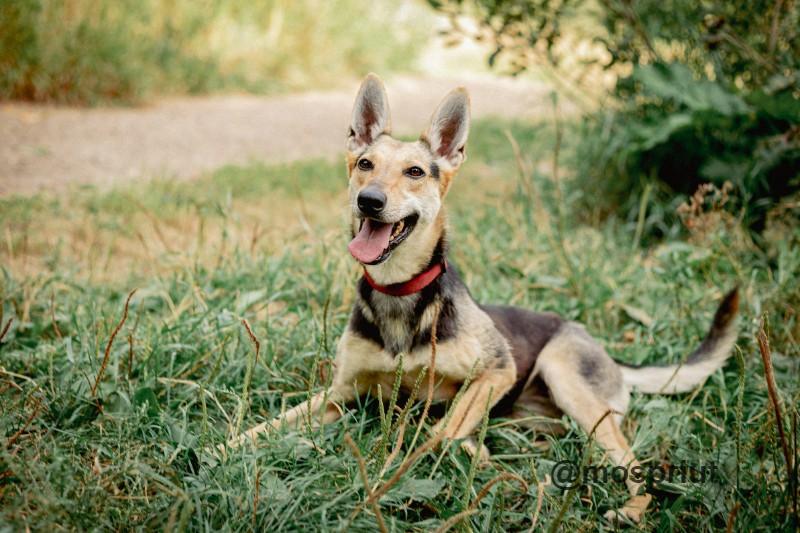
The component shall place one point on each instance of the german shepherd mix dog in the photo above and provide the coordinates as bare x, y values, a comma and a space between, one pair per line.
516, 356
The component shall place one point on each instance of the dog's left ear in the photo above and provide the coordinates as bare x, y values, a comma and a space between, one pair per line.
447, 131
370, 117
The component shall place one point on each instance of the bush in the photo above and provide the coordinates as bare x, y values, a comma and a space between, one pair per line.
704, 92
684, 132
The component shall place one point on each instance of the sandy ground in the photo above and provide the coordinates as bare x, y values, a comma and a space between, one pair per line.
47, 148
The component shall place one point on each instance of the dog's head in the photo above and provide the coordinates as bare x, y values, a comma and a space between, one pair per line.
397, 188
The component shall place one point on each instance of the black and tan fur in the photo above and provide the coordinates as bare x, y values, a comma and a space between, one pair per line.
520, 356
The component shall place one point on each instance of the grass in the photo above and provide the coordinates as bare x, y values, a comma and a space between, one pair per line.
268, 245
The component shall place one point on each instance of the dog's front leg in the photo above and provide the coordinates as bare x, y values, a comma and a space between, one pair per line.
481, 394
330, 401
300, 414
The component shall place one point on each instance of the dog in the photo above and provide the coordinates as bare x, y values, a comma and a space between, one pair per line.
508, 355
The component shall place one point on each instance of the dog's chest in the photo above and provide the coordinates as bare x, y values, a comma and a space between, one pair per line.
360, 360
399, 321
397, 336
452, 370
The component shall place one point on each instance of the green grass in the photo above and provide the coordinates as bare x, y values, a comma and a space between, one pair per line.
268, 244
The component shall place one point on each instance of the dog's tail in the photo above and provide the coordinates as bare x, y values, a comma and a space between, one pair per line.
712, 354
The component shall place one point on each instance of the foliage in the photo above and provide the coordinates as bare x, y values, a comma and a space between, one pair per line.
267, 244
91, 51
705, 91
709, 134
523, 32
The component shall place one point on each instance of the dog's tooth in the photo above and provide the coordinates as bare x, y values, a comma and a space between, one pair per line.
397, 229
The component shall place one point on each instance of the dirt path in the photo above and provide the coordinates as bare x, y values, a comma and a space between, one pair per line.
46, 148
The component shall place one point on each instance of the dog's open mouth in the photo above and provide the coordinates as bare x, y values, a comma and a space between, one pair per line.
376, 240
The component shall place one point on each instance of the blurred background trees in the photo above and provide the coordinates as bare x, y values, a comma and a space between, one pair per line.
101, 51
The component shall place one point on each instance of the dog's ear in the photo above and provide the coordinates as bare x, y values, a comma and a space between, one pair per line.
447, 131
370, 117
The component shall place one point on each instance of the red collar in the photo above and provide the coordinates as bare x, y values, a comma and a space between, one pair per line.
411, 286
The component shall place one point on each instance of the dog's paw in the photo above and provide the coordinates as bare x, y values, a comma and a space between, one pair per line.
439, 427
633, 511
470, 445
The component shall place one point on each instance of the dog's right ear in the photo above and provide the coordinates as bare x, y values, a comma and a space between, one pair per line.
448, 128
370, 117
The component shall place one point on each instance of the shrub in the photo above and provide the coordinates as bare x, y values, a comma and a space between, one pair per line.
686, 131
704, 92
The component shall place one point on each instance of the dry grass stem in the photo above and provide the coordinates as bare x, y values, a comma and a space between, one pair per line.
539, 497
363, 469
453, 520
255, 498
732, 517
5, 329
485, 490
110, 342
252, 338
248, 376
766, 357
21, 430
433, 441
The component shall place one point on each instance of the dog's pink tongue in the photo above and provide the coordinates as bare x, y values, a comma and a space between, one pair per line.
371, 241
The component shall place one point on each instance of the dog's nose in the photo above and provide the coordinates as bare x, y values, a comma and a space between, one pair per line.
371, 202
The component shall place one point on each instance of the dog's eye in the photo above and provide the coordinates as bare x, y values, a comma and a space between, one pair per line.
365, 164
415, 172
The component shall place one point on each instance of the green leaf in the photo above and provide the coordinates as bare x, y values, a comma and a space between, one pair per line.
718, 170
247, 299
651, 135
639, 315
674, 82
273, 488
146, 396
417, 489
421, 490
781, 106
